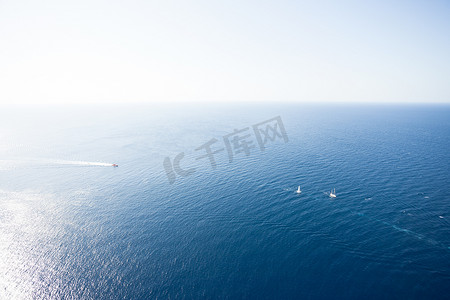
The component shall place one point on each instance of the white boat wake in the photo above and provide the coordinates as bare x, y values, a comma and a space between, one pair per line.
83, 163
10, 164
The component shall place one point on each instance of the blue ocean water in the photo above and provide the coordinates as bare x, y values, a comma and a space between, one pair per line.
72, 226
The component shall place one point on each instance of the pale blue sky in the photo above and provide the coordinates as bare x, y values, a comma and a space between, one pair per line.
145, 51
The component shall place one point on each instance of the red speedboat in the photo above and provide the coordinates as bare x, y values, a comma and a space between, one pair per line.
114, 165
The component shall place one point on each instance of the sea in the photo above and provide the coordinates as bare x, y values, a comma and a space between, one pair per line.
203, 202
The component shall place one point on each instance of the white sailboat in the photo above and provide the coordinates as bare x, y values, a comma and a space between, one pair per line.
298, 190
333, 193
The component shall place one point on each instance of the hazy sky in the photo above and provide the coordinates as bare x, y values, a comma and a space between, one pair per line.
143, 51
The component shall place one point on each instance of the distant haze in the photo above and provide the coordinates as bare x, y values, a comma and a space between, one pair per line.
299, 51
